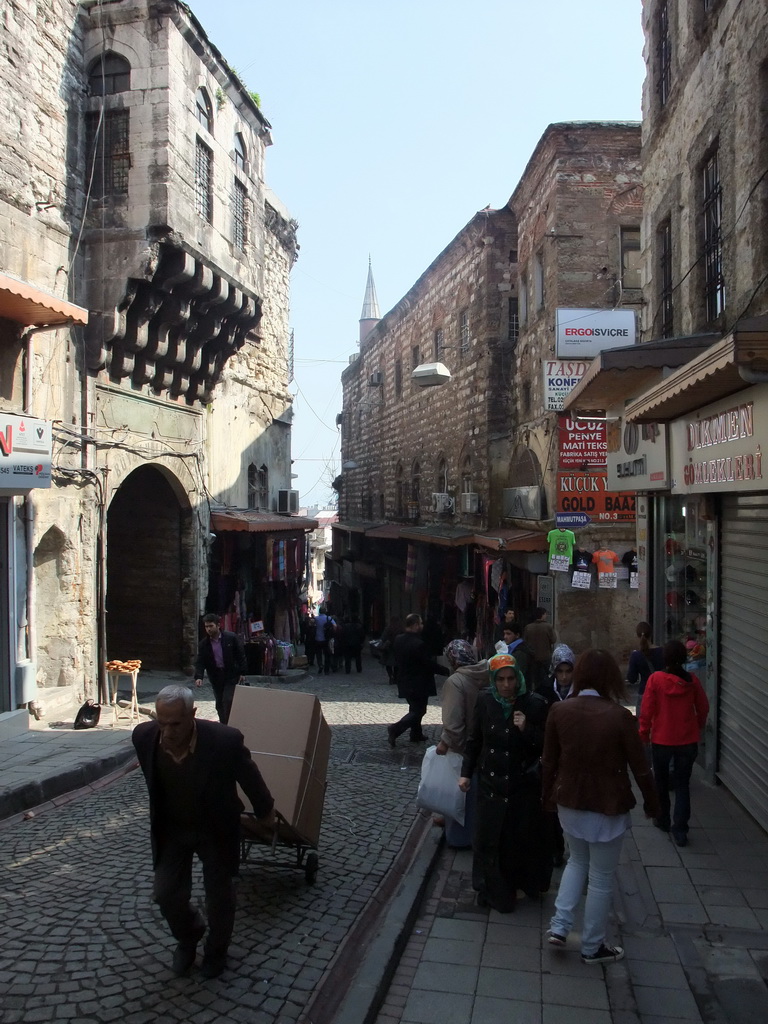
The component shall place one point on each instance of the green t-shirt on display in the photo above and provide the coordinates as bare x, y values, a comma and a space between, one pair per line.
561, 542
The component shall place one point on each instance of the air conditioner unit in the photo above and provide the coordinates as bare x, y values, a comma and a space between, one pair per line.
470, 502
288, 502
376, 380
442, 502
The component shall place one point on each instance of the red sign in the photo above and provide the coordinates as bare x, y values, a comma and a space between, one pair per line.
587, 493
583, 443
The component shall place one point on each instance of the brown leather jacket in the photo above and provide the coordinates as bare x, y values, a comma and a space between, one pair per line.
590, 745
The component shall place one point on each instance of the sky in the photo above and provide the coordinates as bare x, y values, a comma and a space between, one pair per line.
393, 123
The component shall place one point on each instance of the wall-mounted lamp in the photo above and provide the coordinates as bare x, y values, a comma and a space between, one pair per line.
430, 375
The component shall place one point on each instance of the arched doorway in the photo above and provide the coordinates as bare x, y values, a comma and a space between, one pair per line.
145, 557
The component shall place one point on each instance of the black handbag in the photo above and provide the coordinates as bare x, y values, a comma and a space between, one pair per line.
88, 715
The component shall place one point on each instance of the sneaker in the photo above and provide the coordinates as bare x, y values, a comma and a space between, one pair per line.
556, 940
604, 955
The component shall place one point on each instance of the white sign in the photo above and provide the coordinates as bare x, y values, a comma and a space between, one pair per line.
560, 378
559, 563
581, 580
719, 448
585, 333
25, 453
607, 579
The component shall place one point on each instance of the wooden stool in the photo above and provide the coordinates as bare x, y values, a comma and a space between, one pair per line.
130, 713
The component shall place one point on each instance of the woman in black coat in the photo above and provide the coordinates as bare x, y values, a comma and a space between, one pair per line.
510, 844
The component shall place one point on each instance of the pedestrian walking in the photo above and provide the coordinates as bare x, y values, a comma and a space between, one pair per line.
560, 679
351, 637
192, 769
672, 715
323, 633
459, 694
504, 748
590, 744
512, 635
541, 638
308, 637
222, 655
643, 661
416, 673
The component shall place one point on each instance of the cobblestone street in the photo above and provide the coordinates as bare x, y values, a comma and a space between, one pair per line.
82, 940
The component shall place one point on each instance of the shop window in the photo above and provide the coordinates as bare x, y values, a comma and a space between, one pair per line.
683, 563
630, 258
109, 74
107, 141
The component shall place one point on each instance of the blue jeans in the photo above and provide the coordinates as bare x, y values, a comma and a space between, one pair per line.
680, 760
596, 862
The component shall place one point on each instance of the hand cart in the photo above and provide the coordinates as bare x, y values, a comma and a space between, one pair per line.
282, 835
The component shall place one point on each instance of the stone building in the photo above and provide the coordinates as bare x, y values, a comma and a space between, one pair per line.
578, 207
132, 197
691, 424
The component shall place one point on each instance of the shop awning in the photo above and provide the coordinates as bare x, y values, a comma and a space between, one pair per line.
387, 531
730, 365
250, 521
448, 536
621, 373
359, 526
33, 307
512, 540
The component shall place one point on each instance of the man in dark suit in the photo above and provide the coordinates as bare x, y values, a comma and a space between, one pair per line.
192, 769
415, 679
222, 656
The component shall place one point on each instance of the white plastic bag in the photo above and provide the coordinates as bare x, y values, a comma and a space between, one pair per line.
439, 787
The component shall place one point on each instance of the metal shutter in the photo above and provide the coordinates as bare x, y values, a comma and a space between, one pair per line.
743, 704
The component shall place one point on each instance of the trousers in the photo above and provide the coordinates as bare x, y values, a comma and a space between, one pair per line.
417, 708
172, 889
682, 759
594, 863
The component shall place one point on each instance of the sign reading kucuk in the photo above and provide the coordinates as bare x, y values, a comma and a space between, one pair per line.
25, 452
585, 333
560, 378
588, 493
583, 443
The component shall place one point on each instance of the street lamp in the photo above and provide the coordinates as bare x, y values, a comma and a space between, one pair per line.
430, 375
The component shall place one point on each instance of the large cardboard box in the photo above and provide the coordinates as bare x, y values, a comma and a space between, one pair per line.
290, 742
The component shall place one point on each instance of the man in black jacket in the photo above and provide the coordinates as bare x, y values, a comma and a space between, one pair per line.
192, 769
415, 679
222, 656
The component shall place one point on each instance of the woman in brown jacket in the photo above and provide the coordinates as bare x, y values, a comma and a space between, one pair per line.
590, 744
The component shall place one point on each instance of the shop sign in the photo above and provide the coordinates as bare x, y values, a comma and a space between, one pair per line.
585, 333
25, 453
588, 493
560, 378
719, 447
583, 443
637, 456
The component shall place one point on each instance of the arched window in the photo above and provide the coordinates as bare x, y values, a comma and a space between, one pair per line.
416, 484
109, 74
399, 494
204, 110
441, 482
466, 475
240, 154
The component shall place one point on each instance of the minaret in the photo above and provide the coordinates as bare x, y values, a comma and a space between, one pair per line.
370, 315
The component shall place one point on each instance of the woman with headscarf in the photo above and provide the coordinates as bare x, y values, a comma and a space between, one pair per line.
560, 674
504, 746
591, 745
459, 695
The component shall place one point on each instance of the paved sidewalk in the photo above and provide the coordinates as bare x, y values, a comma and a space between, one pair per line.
693, 921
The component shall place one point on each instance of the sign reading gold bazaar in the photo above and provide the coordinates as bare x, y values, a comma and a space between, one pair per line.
719, 448
588, 493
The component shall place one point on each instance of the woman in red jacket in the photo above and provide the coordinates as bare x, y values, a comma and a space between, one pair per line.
672, 715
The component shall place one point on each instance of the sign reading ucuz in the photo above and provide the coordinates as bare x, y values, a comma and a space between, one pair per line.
584, 333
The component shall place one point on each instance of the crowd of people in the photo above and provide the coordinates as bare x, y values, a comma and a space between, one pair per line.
548, 747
